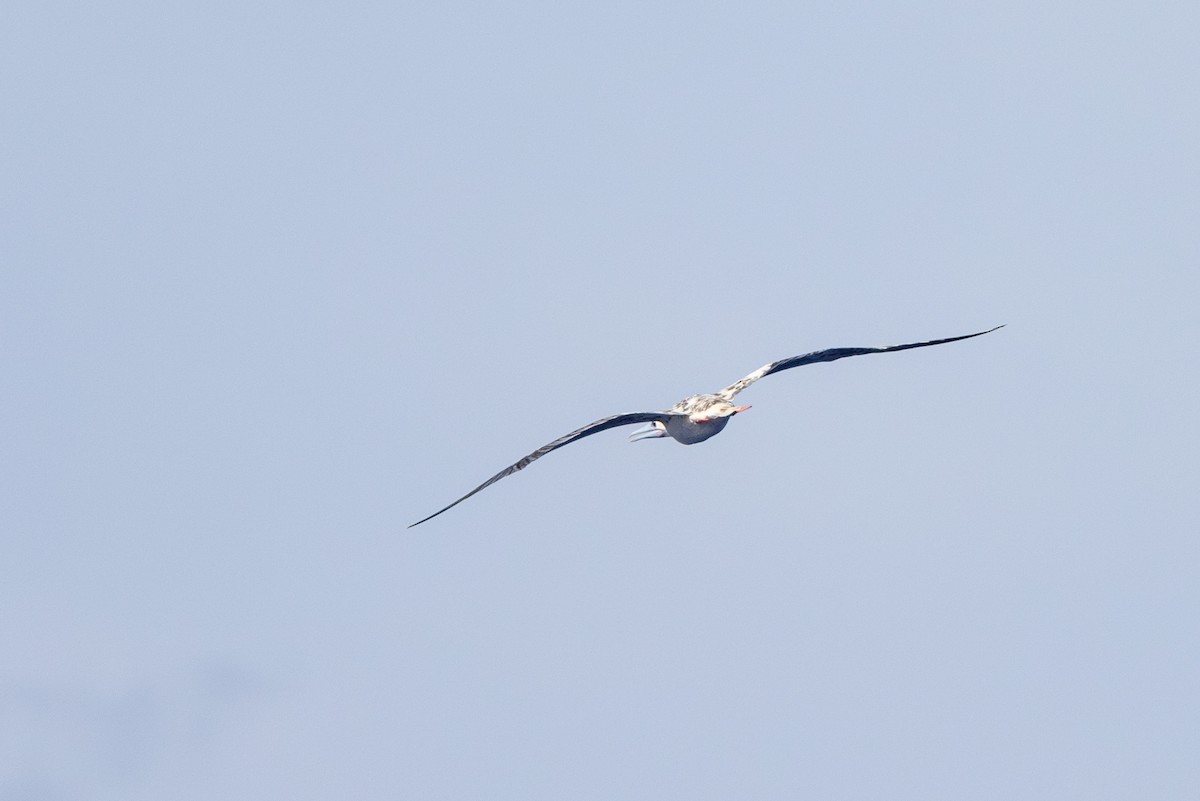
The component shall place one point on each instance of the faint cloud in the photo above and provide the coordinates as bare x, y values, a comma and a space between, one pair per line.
61, 742
227, 684
32, 788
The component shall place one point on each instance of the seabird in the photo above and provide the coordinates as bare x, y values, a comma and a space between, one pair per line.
693, 419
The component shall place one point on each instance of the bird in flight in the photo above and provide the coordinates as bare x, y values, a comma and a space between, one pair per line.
693, 419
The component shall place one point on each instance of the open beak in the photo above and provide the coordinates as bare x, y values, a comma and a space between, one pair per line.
649, 431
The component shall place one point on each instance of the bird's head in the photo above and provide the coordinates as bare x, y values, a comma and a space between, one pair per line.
717, 411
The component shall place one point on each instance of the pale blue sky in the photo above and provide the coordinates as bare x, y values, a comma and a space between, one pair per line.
280, 280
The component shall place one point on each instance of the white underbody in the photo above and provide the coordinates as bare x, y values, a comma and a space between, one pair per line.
692, 420
685, 430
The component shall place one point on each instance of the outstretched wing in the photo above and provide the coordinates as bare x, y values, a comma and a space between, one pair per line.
828, 356
591, 428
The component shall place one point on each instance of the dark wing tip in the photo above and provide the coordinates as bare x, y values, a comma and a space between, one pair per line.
438, 512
